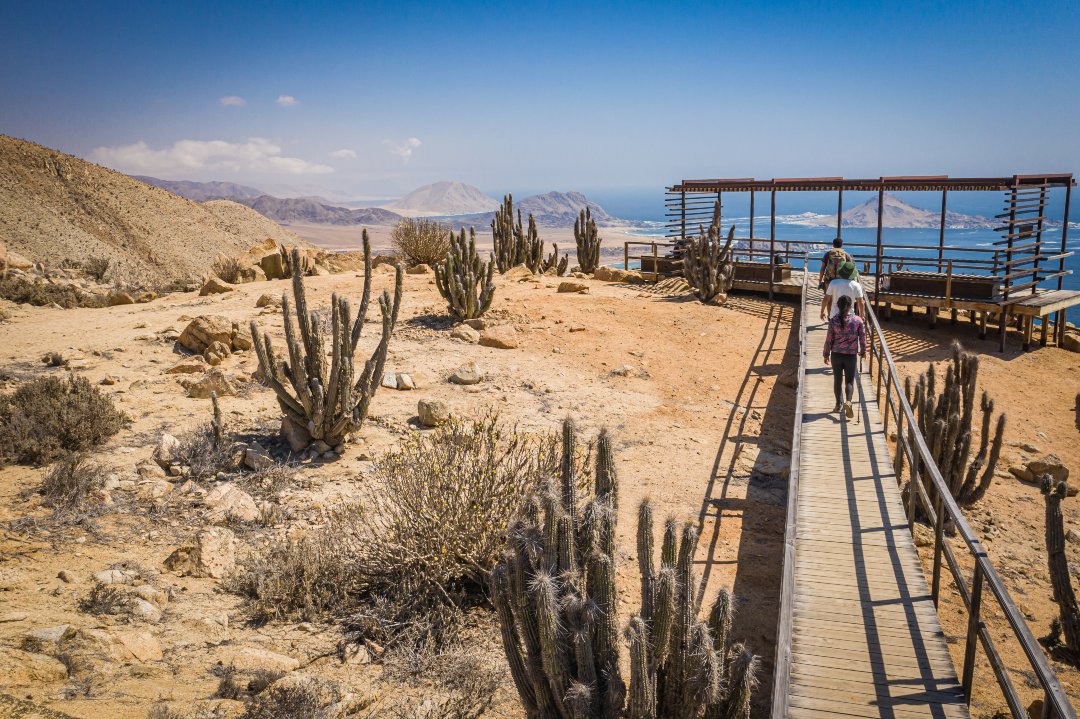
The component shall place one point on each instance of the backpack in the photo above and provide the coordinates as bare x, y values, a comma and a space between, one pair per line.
833, 259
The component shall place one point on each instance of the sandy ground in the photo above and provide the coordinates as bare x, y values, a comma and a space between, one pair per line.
702, 427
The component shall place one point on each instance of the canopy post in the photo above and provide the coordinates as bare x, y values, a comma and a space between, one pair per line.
772, 238
877, 256
941, 233
751, 224
1064, 234
839, 212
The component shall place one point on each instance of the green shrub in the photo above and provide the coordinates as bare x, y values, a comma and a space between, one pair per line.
45, 417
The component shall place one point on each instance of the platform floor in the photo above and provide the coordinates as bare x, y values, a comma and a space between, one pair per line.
865, 638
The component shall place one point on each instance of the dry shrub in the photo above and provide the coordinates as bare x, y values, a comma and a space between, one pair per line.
421, 241
36, 292
307, 697
45, 417
466, 682
97, 268
229, 269
69, 485
205, 456
106, 599
404, 566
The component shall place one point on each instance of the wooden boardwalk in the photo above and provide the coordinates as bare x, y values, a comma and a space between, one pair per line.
865, 639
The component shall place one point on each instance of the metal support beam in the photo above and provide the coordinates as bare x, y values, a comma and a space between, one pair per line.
877, 261
772, 239
839, 212
941, 233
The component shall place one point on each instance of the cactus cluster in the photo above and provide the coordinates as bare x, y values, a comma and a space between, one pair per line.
708, 266
554, 263
1069, 611
945, 420
514, 245
323, 400
464, 280
588, 242
557, 602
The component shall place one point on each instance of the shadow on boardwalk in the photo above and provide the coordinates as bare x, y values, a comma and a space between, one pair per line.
749, 482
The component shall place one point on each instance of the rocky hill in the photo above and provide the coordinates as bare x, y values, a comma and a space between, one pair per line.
308, 211
56, 207
560, 209
444, 198
202, 191
897, 213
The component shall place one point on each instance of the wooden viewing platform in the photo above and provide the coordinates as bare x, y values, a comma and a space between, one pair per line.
864, 634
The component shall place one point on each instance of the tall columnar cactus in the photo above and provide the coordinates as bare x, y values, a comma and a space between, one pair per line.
514, 245
554, 263
557, 602
946, 421
708, 266
329, 402
588, 242
464, 280
1069, 611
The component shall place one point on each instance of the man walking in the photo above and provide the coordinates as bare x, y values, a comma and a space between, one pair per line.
845, 285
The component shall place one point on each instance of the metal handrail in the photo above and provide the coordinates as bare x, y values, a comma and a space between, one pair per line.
1056, 703
782, 665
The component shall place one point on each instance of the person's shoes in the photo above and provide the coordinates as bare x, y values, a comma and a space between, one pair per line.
848, 410
836, 408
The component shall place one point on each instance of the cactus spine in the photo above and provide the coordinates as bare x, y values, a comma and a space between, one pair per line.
707, 265
555, 595
464, 280
323, 399
588, 242
513, 244
1069, 611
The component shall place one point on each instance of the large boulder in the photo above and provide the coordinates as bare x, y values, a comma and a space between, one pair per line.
273, 265
215, 286
612, 274
1049, 464
227, 502
502, 337
204, 330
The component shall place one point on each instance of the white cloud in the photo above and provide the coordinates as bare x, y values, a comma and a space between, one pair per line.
255, 155
233, 101
403, 149
287, 100
344, 154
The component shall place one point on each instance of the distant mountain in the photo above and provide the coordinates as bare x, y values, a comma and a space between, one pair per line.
202, 191
444, 199
560, 209
897, 213
294, 209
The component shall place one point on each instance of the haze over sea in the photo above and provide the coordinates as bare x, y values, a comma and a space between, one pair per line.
647, 207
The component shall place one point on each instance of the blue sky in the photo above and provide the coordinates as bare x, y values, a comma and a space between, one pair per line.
378, 98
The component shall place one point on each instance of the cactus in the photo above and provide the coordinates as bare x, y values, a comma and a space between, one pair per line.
1069, 611
464, 280
555, 596
513, 244
217, 424
708, 267
946, 421
555, 263
588, 242
325, 400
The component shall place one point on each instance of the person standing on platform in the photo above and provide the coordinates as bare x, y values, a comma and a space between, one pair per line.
846, 284
845, 342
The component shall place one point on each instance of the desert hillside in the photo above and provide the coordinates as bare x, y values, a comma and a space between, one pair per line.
56, 207
445, 198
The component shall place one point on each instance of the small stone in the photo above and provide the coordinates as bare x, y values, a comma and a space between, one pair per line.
115, 576
579, 287
465, 334
144, 610
420, 269
298, 437
109, 380
12, 617
477, 323
250, 659
268, 300
256, 458
189, 365
215, 286
214, 381
503, 337
212, 555
389, 380
229, 502
120, 298
432, 412
166, 452
150, 469
51, 635
1049, 464
467, 373
624, 371
577, 328
1029, 447
67, 576
1021, 473
405, 382
151, 489
320, 447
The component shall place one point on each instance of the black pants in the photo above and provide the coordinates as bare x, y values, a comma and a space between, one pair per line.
844, 368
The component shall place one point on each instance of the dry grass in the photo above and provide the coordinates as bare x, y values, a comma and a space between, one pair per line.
46, 417
421, 241
70, 485
229, 269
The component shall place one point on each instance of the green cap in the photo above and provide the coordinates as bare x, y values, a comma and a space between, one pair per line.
846, 270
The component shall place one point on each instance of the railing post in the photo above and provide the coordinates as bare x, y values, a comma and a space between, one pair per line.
885, 411
939, 538
973, 630
913, 491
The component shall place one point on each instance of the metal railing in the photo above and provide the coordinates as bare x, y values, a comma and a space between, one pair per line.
939, 505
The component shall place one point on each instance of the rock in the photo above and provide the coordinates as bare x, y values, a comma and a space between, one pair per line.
151, 489
153, 595
298, 437
612, 274
256, 458
66, 576
1021, 473
389, 380
432, 412
14, 261
214, 381
520, 273
268, 300
216, 352
120, 298
467, 373
420, 269
206, 329
229, 502
109, 380
503, 337
212, 555
150, 470
254, 659
924, 536
1071, 343
405, 382
215, 286
1029, 447
45, 636
189, 365
29, 669
477, 323
166, 452
115, 576
145, 297
624, 371
1073, 536
144, 610
1049, 464
142, 645
465, 333
11, 617
241, 342
788, 377
273, 265
579, 287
